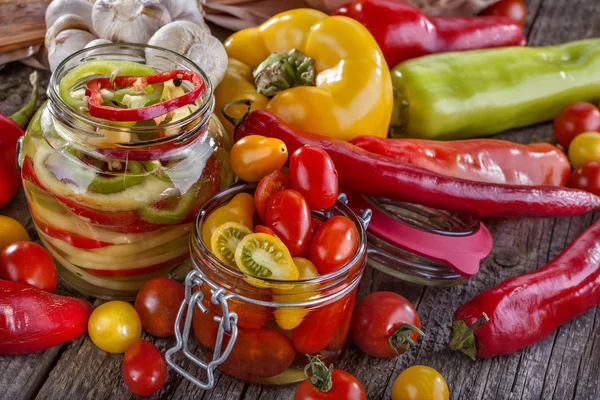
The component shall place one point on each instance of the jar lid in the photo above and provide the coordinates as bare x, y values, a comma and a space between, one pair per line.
460, 242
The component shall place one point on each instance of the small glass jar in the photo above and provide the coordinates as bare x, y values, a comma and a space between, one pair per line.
114, 202
261, 332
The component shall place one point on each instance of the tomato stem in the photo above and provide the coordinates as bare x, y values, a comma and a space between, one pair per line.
464, 338
320, 375
400, 341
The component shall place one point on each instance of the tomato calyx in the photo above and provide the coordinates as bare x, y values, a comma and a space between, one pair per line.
319, 375
463, 337
400, 341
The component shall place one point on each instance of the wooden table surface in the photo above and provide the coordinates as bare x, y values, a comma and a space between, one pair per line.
562, 366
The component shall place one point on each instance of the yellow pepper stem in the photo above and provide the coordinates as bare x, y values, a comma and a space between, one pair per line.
284, 70
229, 117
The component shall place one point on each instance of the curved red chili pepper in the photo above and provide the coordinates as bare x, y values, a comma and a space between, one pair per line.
381, 176
143, 113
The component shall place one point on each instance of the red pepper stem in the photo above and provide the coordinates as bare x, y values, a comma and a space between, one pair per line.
23, 116
400, 341
320, 375
465, 337
229, 117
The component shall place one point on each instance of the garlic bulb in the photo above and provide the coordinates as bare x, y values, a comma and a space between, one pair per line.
192, 41
58, 8
186, 10
128, 20
69, 34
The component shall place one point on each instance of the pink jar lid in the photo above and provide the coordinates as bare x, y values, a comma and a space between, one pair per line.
462, 253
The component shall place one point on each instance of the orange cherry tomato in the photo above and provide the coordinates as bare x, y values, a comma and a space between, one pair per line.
254, 157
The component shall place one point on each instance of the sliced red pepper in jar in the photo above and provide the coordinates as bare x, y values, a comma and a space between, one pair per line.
98, 110
73, 239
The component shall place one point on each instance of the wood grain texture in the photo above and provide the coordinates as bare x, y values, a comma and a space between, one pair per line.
562, 366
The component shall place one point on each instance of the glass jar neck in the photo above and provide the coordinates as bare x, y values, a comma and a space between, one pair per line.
74, 125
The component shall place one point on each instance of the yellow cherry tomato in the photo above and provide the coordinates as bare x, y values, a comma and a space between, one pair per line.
585, 147
254, 157
420, 383
289, 318
11, 231
240, 209
225, 240
114, 326
265, 256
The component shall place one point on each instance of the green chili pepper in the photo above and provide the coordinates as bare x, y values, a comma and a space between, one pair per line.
477, 93
174, 215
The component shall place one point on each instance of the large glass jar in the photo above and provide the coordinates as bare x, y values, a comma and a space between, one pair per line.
261, 330
114, 202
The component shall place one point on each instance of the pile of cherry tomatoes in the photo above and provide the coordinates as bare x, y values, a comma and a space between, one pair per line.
577, 130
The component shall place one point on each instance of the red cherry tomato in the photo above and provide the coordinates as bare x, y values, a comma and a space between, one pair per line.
513, 9
260, 353
30, 263
144, 369
340, 335
377, 317
267, 187
264, 229
288, 215
587, 177
574, 119
343, 386
320, 326
334, 244
317, 224
157, 304
314, 176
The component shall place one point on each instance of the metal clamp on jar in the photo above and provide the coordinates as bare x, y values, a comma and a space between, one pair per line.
224, 311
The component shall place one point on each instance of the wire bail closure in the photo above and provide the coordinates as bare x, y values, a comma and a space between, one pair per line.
227, 324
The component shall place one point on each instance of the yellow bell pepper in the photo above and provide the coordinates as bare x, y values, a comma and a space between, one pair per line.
321, 74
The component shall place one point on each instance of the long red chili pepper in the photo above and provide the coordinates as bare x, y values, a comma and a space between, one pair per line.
139, 82
32, 319
382, 176
11, 129
404, 32
524, 309
484, 160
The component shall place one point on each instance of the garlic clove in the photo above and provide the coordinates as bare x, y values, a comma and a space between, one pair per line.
69, 34
58, 8
97, 42
66, 43
132, 21
186, 10
192, 41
